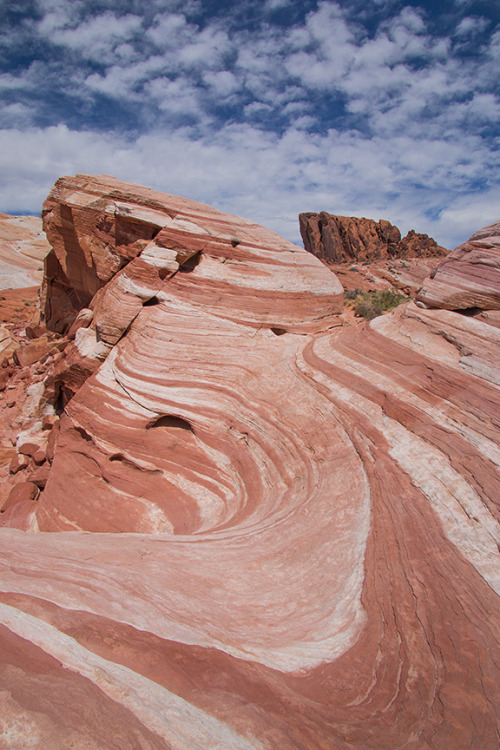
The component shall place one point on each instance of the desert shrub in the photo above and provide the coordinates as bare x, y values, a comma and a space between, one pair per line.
388, 298
352, 293
365, 310
369, 305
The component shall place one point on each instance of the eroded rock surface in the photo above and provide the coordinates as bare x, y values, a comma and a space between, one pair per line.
23, 247
308, 555
342, 239
469, 277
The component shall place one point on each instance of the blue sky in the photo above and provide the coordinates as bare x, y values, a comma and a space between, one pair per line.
263, 108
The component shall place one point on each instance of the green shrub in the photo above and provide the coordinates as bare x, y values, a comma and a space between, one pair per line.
369, 305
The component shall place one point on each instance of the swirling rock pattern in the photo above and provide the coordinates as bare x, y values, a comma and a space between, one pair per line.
260, 529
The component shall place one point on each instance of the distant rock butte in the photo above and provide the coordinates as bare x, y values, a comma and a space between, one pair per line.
469, 277
343, 239
309, 511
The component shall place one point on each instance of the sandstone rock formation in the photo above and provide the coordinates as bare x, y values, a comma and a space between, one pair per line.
23, 247
308, 555
341, 239
469, 277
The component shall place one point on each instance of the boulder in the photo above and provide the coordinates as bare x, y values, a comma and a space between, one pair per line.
28, 354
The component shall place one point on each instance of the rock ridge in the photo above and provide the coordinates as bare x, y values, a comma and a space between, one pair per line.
343, 239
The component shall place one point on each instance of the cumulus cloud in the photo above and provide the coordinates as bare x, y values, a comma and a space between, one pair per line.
471, 25
266, 177
330, 109
97, 38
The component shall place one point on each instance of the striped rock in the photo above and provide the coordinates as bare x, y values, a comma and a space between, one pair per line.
23, 247
469, 277
261, 529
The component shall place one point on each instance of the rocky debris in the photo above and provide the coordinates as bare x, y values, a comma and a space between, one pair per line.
28, 353
403, 276
8, 343
23, 246
469, 277
312, 510
343, 239
36, 350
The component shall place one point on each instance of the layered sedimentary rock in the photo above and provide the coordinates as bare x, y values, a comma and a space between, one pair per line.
308, 555
23, 247
469, 277
341, 239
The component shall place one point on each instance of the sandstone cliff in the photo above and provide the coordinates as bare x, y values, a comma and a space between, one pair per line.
308, 512
342, 239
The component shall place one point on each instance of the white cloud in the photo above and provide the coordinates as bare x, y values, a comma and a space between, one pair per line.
206, 50
122, 81
167, 30
15, 115
262, 176
224, 83
177, 97
56, 15
424, 108
97, 37
329, 56
470, 25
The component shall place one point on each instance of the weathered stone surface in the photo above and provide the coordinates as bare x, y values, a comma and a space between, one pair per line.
341, 239
40, 475
29, 353
27, 448
406, 276
23, 246
8, 343
469, 277
21, 493
19, 462
310, 556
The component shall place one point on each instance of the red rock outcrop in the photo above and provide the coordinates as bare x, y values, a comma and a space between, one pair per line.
309, 512
342, 239
469, 277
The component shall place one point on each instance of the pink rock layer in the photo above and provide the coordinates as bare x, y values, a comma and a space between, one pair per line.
469, 277
308, 555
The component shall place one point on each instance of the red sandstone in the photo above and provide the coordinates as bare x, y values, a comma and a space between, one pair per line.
257, 527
